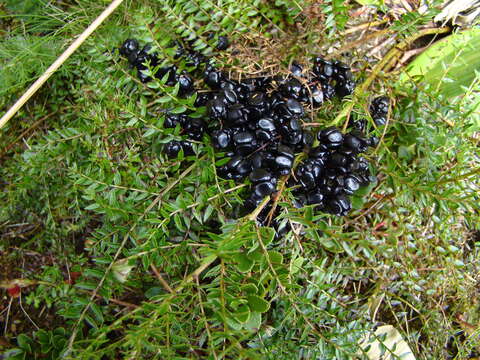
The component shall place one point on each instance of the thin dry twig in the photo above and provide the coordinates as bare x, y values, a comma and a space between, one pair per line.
26, 314
115, 301
363, 26
384, 66
161, 279
356, 43
8, 315
59, 62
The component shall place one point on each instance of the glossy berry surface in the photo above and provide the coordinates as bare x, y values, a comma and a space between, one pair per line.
379, 110
222, 43
256, 123
129, 47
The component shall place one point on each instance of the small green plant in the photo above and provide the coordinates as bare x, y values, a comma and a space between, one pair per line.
43, 345
140, 254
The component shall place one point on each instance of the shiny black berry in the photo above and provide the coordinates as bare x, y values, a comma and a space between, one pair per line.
331, 137
379, 110
172, 148
339, 205
222, 43
216, 109
213, 78
296, 69
130, 46
260, 175
185, 83
221, 139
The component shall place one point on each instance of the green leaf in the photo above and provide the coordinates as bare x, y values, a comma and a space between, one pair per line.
14, 354
93, 273
233, 323
24, 342
59, 331
448, 64
242, 314
249, 289
364, 190
208, 212
179, 109
254, 322
86, 286
97, 312
256, 255
150, 132
91, 321
357, 202
296, 265
406, 152
178, 223
46, 348
258, 304
231, 244
59, 342
267, 235
154, 291
275, 257
92, 206
244, 264
163, 99
42, 336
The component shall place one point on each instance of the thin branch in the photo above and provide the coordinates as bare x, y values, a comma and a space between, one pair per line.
117, 254
59, 62
8, 315
367, 25
26, 314
161, 279
115, 301
459, 178
356, 43
253, 216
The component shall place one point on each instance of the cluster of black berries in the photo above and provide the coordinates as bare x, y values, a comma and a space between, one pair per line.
333, 171
194, 128
379, 110
140, 57
257, 124
261, 130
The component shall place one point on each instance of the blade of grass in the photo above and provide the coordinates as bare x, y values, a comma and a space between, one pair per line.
60, 60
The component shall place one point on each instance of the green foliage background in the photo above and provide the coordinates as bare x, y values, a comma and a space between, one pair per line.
94, 192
